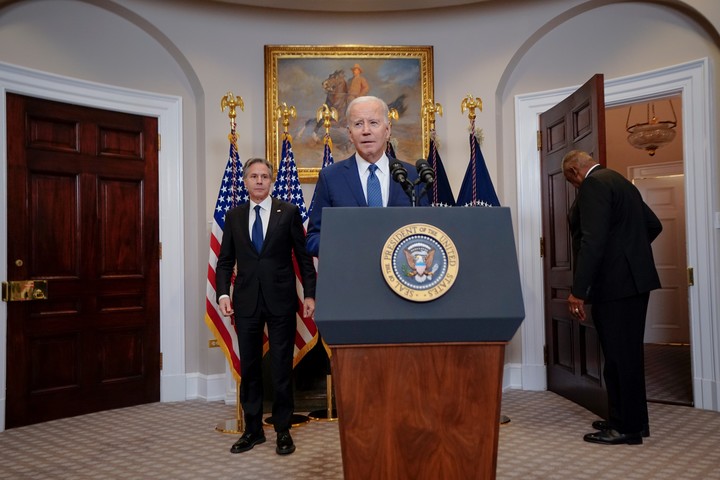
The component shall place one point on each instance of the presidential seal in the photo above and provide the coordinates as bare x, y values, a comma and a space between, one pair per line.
419, 262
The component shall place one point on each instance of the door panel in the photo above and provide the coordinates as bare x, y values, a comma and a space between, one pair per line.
668, 319
83, 215
573, 351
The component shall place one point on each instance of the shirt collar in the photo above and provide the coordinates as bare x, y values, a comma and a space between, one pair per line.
591, 169
264, 205
383, 164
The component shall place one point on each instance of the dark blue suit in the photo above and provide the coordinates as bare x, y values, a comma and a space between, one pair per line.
339, 185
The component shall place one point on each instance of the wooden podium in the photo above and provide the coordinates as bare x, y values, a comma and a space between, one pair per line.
418, 384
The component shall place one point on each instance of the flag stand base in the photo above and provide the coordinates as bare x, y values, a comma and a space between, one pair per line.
296, 420
329, 414
504, 419
233, 426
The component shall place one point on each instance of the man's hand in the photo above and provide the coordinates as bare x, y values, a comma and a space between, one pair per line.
226, 306
576, 307
308, 307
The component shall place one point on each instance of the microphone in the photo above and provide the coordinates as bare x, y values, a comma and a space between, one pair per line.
398, 172
425, 171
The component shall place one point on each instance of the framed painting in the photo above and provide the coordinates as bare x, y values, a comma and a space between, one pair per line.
307, 76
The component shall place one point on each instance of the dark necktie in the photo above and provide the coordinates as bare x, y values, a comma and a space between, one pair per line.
257, 230
374, 195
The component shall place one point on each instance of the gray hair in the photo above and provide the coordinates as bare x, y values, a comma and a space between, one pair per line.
577, 158
368, 98
252, 161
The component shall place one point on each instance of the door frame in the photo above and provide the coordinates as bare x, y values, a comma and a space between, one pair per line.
168, 110
692, 81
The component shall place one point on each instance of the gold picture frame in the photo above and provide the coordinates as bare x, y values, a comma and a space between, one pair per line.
307, 76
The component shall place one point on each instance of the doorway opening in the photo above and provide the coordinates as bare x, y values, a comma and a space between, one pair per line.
661, 181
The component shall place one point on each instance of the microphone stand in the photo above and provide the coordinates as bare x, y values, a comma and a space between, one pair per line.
409, 188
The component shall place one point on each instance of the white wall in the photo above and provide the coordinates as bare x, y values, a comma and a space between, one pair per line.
200, 50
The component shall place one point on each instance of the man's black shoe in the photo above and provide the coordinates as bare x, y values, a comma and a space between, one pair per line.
604, 425
247, 442
613, 437
285, 445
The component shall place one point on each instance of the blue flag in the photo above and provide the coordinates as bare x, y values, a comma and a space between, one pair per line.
441, 194
390, 150
327, 161
477, 189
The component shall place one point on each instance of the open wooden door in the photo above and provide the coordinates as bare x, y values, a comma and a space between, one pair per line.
574, 359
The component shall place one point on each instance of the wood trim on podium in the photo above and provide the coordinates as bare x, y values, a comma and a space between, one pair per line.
419, 411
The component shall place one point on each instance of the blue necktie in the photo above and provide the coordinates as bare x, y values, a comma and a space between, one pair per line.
374, 195
257, 230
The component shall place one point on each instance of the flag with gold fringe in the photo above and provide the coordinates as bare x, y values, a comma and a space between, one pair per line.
477, 188
327, 161
441, 194
232, 193
287, 188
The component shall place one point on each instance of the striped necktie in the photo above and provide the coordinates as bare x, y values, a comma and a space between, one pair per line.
374, 195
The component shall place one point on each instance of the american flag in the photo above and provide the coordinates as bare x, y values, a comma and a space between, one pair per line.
327, 160
441, 194
477, 188
287, 188
232, 193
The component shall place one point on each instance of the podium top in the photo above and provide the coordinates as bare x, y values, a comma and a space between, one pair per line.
356, 305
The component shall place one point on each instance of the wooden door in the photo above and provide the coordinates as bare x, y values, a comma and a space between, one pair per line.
574, 359
82, 215
668, 318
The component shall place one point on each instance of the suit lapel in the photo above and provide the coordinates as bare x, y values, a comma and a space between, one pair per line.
353, 181
276, 210
244, 222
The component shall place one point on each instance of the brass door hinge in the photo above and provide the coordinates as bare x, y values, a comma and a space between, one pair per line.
539, 140
159, 142
690, 276
545, 354
160, 251
542, 247
161, 361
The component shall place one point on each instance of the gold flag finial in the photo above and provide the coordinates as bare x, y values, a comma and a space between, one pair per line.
285, 112
327, 115
229, 100
470, 103
429, 110
393, 115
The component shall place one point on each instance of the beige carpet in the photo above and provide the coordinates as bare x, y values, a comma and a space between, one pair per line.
178, 441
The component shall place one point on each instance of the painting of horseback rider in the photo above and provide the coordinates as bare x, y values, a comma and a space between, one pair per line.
322, 75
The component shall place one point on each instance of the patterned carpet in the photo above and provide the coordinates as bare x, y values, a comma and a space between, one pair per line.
668, 373
178, 441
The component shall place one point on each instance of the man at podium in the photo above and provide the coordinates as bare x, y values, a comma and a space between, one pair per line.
368, 178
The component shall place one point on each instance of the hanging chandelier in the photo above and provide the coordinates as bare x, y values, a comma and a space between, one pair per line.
651, 134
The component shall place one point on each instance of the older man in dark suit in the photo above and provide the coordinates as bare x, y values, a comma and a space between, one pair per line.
353, 181
612, 229
260, 237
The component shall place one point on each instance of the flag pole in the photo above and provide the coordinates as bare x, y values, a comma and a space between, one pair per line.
234, 425
237, 424
327, 115
471, 103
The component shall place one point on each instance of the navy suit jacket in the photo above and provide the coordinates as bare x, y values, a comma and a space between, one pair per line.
271, 269
339, 185
612, 229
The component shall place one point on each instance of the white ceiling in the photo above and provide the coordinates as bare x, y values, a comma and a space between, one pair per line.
352, 5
